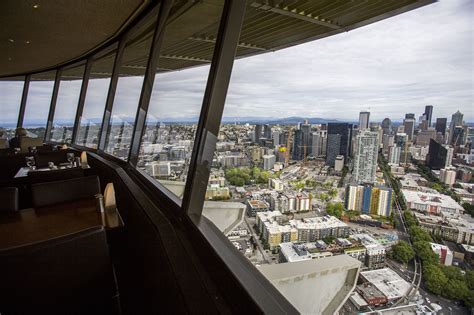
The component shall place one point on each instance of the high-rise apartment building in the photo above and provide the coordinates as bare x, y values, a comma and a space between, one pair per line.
387, 142
369, 199
364, 120
394, 155
365, 159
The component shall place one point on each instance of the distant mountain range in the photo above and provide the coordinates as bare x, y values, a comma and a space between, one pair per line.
226, 120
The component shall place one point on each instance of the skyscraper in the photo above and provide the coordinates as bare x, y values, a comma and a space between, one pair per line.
409, 116
387, 126
441, 124
429, 114
258, 132
267, 131
439, 156
456, 120
409, 125
364, 120
333, 147
365, 160
298, 150
344, 130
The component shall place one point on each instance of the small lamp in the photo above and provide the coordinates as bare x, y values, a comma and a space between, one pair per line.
109, 197
84, 163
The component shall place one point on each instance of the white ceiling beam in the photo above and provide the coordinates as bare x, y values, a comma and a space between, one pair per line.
240, 44
296, 14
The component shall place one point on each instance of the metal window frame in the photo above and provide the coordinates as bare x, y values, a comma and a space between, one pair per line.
104, 128
82, 97
52, 107
24, 96
213, 106
54, 99
148, 82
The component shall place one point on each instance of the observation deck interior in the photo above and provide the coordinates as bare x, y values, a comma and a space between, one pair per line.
162, 255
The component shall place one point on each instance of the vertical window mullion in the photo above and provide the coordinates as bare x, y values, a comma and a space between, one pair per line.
52, 108
24, 96
111, 94
148, 82
213, 106
82, 96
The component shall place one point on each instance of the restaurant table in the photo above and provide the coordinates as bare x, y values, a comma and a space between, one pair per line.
40, 224
23, 172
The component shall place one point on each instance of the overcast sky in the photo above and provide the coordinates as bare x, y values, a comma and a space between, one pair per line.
392, 67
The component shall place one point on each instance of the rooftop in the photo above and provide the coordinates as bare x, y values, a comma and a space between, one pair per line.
432, 199
388, 282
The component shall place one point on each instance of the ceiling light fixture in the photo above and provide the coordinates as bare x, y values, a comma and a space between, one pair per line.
27, 42
11, 40
35, 6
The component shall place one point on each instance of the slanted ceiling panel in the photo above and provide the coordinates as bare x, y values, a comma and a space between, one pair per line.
192, 30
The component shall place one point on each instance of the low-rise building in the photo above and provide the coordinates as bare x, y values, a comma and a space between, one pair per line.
388, 282
444, 253
456, 228
254, 206
433, 203
375, 252
276, 228
371, 294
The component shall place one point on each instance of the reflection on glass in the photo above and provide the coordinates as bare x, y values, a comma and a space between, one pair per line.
10, 99
129, 86
94, 103
66, 104
176, 101
38, 103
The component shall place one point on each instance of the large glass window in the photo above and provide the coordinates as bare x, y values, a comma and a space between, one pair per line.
10, 99
96, 97
176, 100
66, 104
129, 86
38, 103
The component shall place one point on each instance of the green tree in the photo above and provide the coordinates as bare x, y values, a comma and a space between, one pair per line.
335, 209
409, 218
417, 234
435, 279
424, 251
452, 272
455, 289
403, 252
469, 277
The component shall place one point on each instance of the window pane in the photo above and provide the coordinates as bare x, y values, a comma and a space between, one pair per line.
38, 103
129, 86
94, 103
10, 99
176, 100
66, 104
